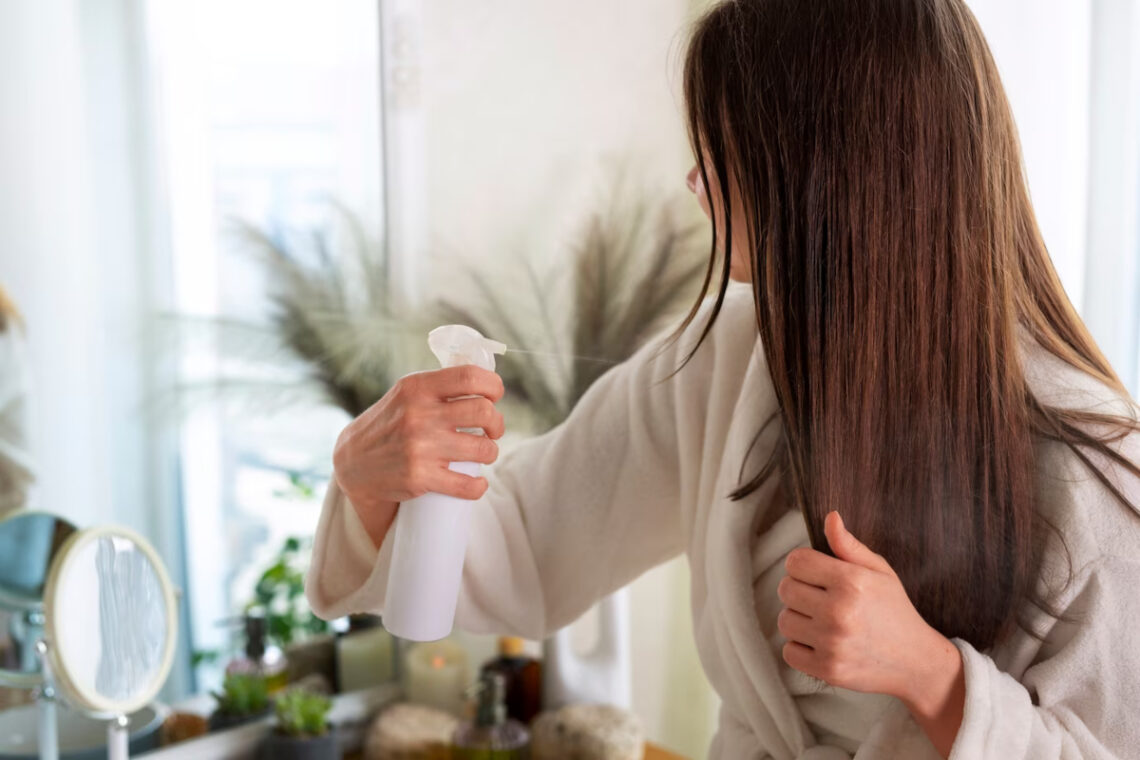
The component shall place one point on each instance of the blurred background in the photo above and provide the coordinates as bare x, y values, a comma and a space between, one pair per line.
226, 225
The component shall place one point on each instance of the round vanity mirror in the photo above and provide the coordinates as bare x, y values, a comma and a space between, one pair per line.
29, 542
111, 621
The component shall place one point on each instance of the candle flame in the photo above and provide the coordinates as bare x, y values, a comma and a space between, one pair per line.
438, 662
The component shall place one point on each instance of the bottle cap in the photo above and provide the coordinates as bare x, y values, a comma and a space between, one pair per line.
362, 622
255, 634
511, 646
456, 345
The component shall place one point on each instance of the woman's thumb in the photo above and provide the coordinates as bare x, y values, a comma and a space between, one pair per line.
847, 547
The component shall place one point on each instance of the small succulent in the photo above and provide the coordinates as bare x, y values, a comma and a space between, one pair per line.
242, 694
302, 713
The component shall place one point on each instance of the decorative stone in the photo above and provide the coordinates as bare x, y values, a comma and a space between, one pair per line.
410, 732
587, 732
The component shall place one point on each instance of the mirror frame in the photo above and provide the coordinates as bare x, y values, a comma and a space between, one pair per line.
89, 699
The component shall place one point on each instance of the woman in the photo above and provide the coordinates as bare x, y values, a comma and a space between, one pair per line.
898, 464
16, 473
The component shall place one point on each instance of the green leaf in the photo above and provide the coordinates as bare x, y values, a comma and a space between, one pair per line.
302, 713
204, 656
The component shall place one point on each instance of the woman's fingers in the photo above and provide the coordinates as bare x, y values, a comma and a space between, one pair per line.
801, 597
467, 447
456, 382
474, 413
796, 626
801, 657
459, 485
816, 568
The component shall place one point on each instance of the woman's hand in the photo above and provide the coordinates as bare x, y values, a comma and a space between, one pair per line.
400, 448
849, 622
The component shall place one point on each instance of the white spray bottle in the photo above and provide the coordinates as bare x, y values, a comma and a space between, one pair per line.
431, 530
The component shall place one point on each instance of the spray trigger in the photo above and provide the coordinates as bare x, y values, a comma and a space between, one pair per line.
456, 345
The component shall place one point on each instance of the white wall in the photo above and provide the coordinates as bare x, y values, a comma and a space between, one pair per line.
529, 104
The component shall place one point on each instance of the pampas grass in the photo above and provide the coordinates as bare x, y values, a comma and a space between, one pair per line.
635, 265
336, 334
335, 315
333, 332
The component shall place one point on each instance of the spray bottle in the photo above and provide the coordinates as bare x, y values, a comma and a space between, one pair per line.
431, 530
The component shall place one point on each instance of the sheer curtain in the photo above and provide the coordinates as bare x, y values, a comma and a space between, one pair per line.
76, 254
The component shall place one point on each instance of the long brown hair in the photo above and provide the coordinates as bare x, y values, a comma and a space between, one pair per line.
895, 258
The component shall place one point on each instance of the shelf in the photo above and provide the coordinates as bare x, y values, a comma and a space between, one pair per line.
351, 713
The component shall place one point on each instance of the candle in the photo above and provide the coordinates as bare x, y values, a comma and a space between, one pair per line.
435, 675
364, 659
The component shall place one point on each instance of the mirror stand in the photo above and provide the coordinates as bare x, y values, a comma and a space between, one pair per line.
47, 729
118, 738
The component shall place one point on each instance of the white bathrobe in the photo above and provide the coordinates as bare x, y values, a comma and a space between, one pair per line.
641, 471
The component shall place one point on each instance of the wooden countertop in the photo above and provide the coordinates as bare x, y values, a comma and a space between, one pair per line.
653, 752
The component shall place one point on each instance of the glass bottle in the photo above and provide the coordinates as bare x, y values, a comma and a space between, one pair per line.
523, 675
491, 735
260, 658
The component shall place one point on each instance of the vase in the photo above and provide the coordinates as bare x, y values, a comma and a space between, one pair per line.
220, 721
281, 747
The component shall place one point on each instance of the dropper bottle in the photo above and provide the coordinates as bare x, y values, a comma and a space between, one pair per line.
491, 735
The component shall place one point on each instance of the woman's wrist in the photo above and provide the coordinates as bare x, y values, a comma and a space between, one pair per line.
935, 692
375, 515
377, 519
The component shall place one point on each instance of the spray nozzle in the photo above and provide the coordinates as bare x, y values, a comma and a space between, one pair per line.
456, 345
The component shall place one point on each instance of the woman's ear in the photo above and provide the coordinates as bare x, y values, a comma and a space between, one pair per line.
693, 179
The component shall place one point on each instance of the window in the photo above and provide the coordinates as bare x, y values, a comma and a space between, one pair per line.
266, 112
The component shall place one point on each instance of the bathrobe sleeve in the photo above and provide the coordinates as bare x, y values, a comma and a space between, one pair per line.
569, 516
1079, 702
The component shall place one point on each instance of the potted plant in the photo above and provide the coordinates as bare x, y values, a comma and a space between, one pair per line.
302, 731
244, 698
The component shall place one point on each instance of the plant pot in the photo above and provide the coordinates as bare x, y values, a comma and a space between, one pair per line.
280, 747
220, 721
